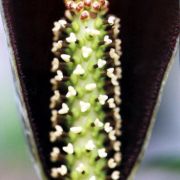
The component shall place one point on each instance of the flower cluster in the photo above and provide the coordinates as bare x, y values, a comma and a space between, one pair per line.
86, 121
87, 8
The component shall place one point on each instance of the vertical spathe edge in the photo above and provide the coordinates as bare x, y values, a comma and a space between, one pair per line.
154, 115
21, 105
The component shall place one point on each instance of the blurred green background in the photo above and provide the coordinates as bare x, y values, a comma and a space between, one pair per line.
162, 159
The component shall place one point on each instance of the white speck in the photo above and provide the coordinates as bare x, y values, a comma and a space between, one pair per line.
110, 72
71, 92
117, 157
54, 135
117, 90
54, 172
59, 130
54, 116
56, 96
114, 55
111, 163
90, 87
101, 63
111, 103
117, 99
86, 51
102, 153
68, 14
107, 127
55, 64
72, 38
59, 75
92, 32
69, 149
76, 130
117, 113
102, 99
107, 40
114, 81
79, 70
112, 135
55, 154
90, 145
80, 168
63, 170
98, 123
117, 146
65, 57
92, 178
115, 175
111, 20
64, 109
59, 24
84, 106
119, 72
56, 46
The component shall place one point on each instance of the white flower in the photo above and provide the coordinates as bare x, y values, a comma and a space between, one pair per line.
62, 170
71, 91
92, 32
59, 76
115, 175
102, 99
114, 55
101, 63
54, 135
84, 106
79, 70
55, 154
112, 163
69, 149
102, 153
76, 130
111, 103
56, 46
110, 72
86, 51
117, 146
90, 145
72, 38
98, 123
117, 157
112, 135
107, 40
107, 127
92, 178
65, 57
90, 87
64, 109
59, 24
111, 20
80, 168
55, 65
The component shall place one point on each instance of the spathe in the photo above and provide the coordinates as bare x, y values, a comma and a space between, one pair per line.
149, 31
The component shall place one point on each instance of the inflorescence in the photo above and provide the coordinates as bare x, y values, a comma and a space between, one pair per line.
86, 121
